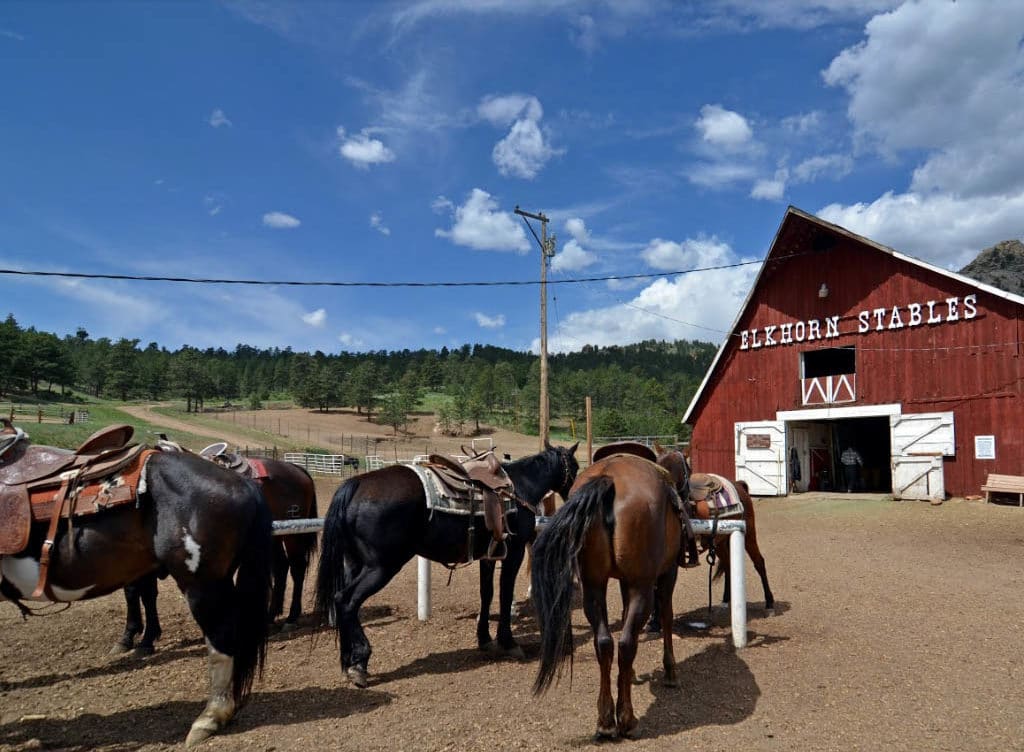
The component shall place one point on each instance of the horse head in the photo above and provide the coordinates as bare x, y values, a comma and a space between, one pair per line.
570, 467
677, 465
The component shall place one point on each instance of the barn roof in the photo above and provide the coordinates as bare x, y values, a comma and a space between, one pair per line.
802, 232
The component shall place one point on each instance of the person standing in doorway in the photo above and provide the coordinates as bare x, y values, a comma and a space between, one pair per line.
852, 463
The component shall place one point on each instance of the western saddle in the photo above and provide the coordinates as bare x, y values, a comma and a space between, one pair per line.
481, 484
41, 483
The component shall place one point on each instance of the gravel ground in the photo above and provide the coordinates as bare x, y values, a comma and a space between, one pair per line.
897, 627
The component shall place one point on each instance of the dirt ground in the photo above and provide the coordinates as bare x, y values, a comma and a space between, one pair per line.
898, 627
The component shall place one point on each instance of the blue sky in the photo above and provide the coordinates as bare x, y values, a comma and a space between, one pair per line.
391, 141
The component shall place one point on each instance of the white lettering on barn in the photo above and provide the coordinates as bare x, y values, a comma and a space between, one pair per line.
945, 311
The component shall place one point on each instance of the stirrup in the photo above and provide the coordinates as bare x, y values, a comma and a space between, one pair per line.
496, 550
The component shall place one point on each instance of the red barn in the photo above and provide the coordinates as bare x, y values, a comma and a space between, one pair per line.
844, 342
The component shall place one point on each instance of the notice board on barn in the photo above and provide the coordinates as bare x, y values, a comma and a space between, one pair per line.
758, 441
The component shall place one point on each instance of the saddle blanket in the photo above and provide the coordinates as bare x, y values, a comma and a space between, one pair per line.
440, 499
723, 499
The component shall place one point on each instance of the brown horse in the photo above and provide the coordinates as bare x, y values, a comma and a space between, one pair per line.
678, 466
621, 521
289, 493
204, 526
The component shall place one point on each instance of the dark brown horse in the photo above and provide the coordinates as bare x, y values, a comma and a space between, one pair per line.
205, 526
289, 493
621, 521
379, 520
678, 466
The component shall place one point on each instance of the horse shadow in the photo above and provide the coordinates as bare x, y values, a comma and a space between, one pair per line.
697, 621
186, 648
167, 722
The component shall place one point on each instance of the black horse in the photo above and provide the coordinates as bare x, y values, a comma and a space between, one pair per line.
206, 527
379, 520
290, 493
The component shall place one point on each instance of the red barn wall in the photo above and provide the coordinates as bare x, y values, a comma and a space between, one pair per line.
970, 366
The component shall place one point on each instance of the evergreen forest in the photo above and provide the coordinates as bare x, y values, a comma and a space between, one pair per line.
636, 389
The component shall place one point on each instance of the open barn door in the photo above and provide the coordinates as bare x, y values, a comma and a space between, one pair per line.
761, 456
919, 442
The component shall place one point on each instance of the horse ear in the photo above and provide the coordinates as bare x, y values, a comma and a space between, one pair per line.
572, 449
547, 444
659, 448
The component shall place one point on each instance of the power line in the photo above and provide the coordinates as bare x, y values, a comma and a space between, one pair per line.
338, 283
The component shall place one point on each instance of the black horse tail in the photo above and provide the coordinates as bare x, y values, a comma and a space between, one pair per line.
554, 556
330, 577
253, 584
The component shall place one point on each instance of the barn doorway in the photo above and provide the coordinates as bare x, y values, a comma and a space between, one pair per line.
815, 446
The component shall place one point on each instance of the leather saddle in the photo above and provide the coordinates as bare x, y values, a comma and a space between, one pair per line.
481, 483
718, 494
625, 447
41, 483
234, 461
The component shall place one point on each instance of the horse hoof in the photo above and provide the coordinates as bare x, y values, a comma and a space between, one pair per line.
144, 651
289, 626
357, 676
120, 648
633, 732
491, 647
201, 730
605, 733
516, 653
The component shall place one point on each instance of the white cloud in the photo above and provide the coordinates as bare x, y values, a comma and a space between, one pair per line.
770, 189
213, 203
802, 124
362, 150
349, 340
724, 128
315, 318
572, 257
832, 165
668, 255
935, 81
377, 223
489, 322
525, 150
479, 225
280, 220
944, 229
219, 119
439, 330
720, 174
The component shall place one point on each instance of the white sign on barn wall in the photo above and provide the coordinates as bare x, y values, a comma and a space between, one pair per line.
984, 447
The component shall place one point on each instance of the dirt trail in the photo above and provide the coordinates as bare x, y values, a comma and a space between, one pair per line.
147, 413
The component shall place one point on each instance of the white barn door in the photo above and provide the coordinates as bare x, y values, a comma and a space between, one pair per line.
761, 456
919, 442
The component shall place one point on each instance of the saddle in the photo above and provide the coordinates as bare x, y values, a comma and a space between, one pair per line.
625, 447
719, 495
41, 483
474, 486
234, 461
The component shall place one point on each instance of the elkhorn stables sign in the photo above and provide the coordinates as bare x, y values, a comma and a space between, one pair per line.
874, 320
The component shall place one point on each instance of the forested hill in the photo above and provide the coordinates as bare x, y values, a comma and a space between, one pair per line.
640, 388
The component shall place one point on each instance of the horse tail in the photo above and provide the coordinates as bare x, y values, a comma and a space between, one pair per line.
253, 584
330, 577
554, 556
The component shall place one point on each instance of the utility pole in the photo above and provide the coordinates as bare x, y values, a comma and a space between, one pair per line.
547, 251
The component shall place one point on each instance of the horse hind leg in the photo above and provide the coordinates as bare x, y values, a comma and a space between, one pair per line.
754, 552
148, 592
596, 609
280, 578
133, 621
297, 567
220, 708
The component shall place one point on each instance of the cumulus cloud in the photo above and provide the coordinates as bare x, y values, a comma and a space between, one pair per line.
315, 318
280, 220
349, 340
770, 189
218, 119
362, 150
573, 256
377, 223
668, 255
489, 322
724, 128
936, 78
479, 224
526, 148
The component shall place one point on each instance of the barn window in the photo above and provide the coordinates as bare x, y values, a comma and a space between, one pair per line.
833, 361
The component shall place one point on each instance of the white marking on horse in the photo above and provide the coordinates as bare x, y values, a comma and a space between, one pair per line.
194, 551
23, 573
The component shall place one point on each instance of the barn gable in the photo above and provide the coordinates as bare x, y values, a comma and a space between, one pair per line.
840, 340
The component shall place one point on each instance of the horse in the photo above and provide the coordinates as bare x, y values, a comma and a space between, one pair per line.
622, 520
289, 493
379, 520
678, 466
205, 526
